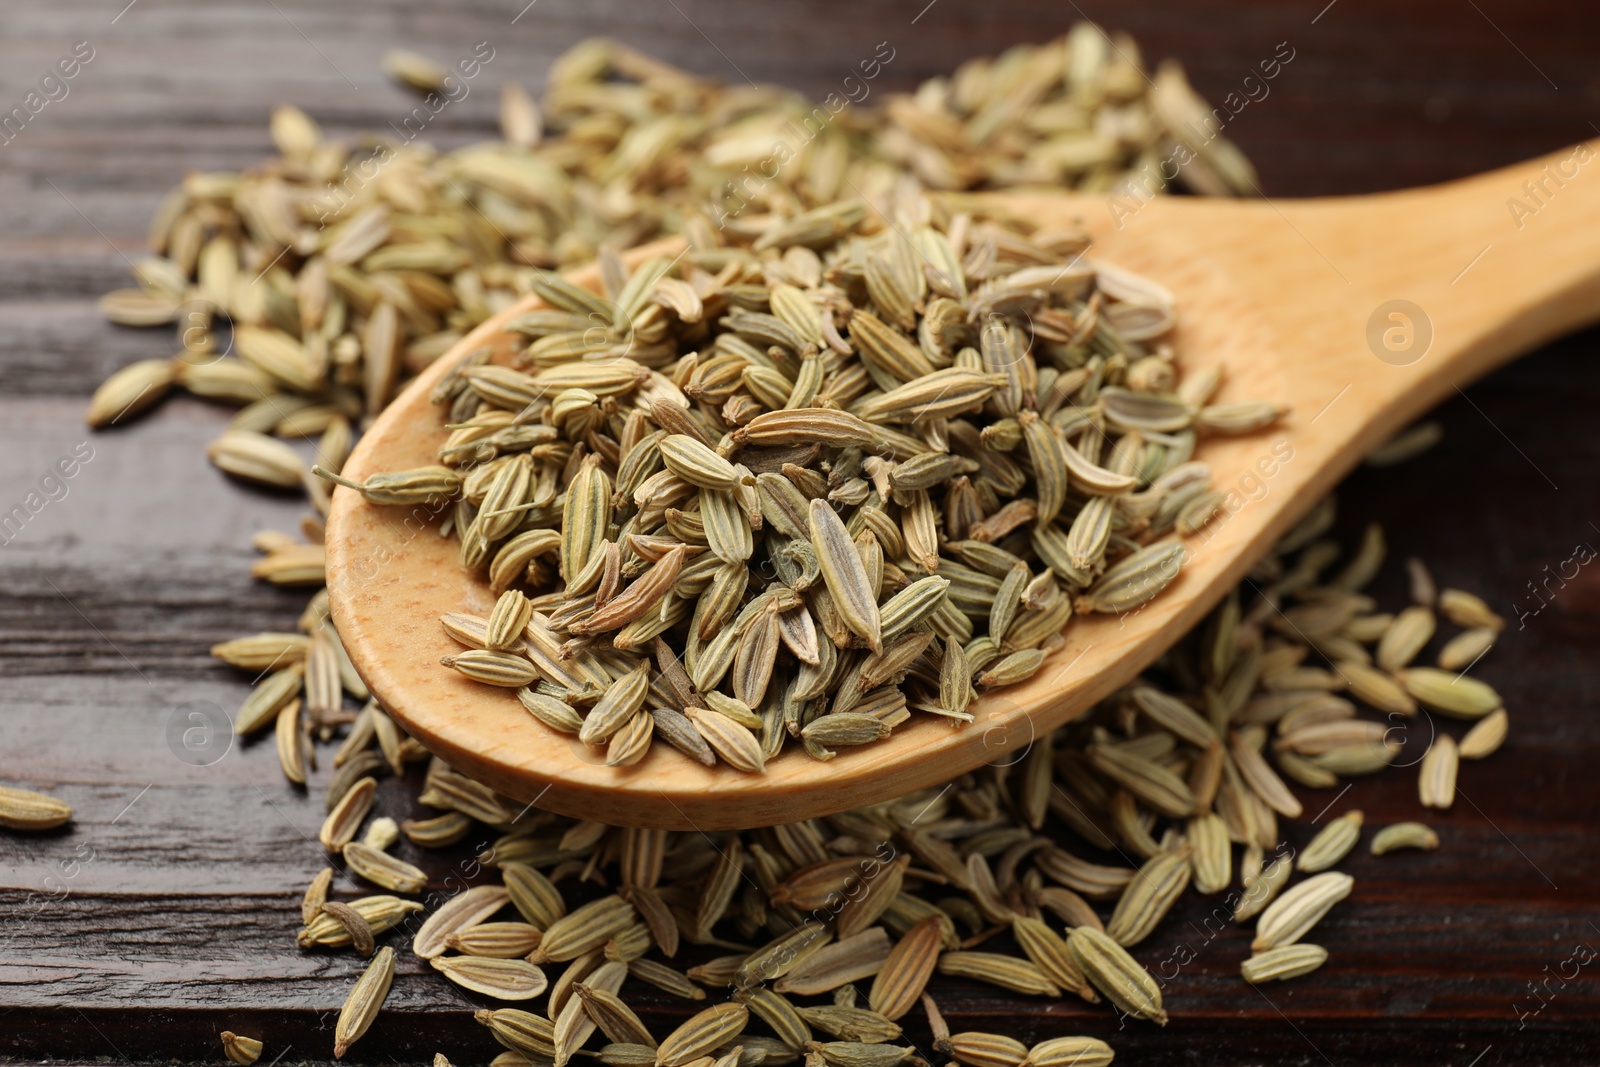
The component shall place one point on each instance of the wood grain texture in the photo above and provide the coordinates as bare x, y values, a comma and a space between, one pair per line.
181, 925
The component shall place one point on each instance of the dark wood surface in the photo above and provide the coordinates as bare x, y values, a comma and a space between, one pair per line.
167, 913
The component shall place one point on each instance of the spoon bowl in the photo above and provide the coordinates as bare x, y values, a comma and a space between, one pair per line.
1358, 314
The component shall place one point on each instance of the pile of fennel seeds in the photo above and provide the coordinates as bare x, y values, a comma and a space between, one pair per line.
344, 268
806, 488
1051, 876
1048, 878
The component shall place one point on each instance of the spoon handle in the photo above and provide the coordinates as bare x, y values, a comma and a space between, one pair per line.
1410, 295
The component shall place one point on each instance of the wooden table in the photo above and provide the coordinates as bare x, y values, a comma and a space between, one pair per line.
166, 914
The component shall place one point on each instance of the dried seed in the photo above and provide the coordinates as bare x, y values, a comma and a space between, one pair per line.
1468, 611
1406, 636
1332, 843
777, 1012
465, 910
614, 1018
502, 979
699, 1035
1116, 974
1070, 1052
382, 869
1404, 835
1288, 918
240, 1049
1211, 853
500, 940
1450, 694
532, 894
665, 978
845, 576
267, 699
1467, 648
381, 913
836, 965
1437, 775
1486, 736
1279, 964
851, 1024
366, 997
521, 1031
357, 927
346, 816
258, 458
1007, 972
1149, 781
442, 831
316, 893
1049, 953
22, 809
582, 930
1264, 888
858, 1054
734, 743
905, 971
985, 1050
1261, 778
1148, 898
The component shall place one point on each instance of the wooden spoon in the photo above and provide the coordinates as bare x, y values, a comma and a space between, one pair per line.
1358, 313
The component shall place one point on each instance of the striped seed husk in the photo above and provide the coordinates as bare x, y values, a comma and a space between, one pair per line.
1288, 918
1048, 951
976, 1049
1116, 974
839, 964
500, 978
613, 1017
382, 869
23, 809
347, 815
501, 940
1264, 888
905, 972
582, 930
1147, 899
1285, 962
365, 999
850, 1023
532, 894
1070, 1052
380, 912
466, 909
316, 893
702, 1033
1007, 972
1332, 843
521, 1031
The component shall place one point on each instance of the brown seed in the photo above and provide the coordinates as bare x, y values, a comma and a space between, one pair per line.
354, 924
